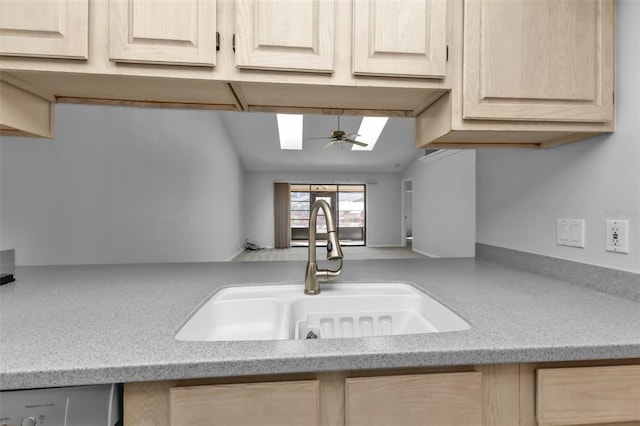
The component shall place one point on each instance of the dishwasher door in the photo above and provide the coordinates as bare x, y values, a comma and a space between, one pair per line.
95, 405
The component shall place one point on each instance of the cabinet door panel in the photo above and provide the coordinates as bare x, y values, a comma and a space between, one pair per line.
427, 399
271, 403
539, 60
571, 396
399, 38
289, 35
44, 28
181, 32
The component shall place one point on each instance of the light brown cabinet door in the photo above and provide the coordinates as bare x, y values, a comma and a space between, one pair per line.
587, 395
422, 399
286, 35
399, 38
180, 32
44, 28
247, 404
542, 60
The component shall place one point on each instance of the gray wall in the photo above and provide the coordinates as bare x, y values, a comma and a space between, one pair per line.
383, 203
522, 193
444, 205
122, 185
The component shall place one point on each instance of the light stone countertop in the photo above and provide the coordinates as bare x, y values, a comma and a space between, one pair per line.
74, 325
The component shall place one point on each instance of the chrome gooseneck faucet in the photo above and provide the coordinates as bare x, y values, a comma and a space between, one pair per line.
314, 275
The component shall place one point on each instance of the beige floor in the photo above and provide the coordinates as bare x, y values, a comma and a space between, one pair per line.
300, 253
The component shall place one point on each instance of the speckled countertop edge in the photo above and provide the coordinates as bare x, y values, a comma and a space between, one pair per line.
74, 325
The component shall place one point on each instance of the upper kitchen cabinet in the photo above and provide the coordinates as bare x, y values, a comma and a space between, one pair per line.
400, 38
180, 32
285, 35
539, 60
297, 56
24, 112
526, 74
44, 28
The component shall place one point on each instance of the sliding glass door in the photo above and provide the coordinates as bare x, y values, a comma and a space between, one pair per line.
351, 214
348, 203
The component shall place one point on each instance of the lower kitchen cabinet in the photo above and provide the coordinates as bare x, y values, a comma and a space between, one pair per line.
435, 399
271, 403
575, 396
567, 393
581, 393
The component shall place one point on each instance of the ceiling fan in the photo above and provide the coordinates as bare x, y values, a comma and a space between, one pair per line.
339, 136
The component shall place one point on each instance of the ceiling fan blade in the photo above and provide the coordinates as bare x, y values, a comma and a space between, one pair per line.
330, 143
351, 135
356, 142
325, 137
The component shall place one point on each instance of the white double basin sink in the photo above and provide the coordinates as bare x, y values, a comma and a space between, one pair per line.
341, 310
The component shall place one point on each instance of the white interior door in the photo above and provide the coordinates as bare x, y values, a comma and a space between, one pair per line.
407, 212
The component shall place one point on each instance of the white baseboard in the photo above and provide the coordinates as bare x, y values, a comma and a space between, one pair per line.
233, 256
424, 253
382, 245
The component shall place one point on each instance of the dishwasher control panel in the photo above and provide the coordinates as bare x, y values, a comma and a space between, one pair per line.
96, 405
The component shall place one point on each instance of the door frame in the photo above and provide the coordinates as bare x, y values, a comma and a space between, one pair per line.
403, 200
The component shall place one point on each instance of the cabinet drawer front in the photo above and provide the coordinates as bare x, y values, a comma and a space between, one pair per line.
588, 395
272, 403
161, 32
540, 60
426, 399
46, 29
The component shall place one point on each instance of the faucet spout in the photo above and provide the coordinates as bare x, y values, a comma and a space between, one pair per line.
314, 276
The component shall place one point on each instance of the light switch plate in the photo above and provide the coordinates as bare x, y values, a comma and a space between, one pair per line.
617, 236
570, 232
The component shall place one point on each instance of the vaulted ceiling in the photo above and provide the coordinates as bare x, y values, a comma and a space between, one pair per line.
257, 143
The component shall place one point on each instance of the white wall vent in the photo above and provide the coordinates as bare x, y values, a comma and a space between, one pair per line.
438, 154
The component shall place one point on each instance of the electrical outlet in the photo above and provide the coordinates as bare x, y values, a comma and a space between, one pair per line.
570, 232
617, 236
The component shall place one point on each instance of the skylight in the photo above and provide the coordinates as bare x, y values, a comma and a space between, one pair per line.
290, 131
370, 130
